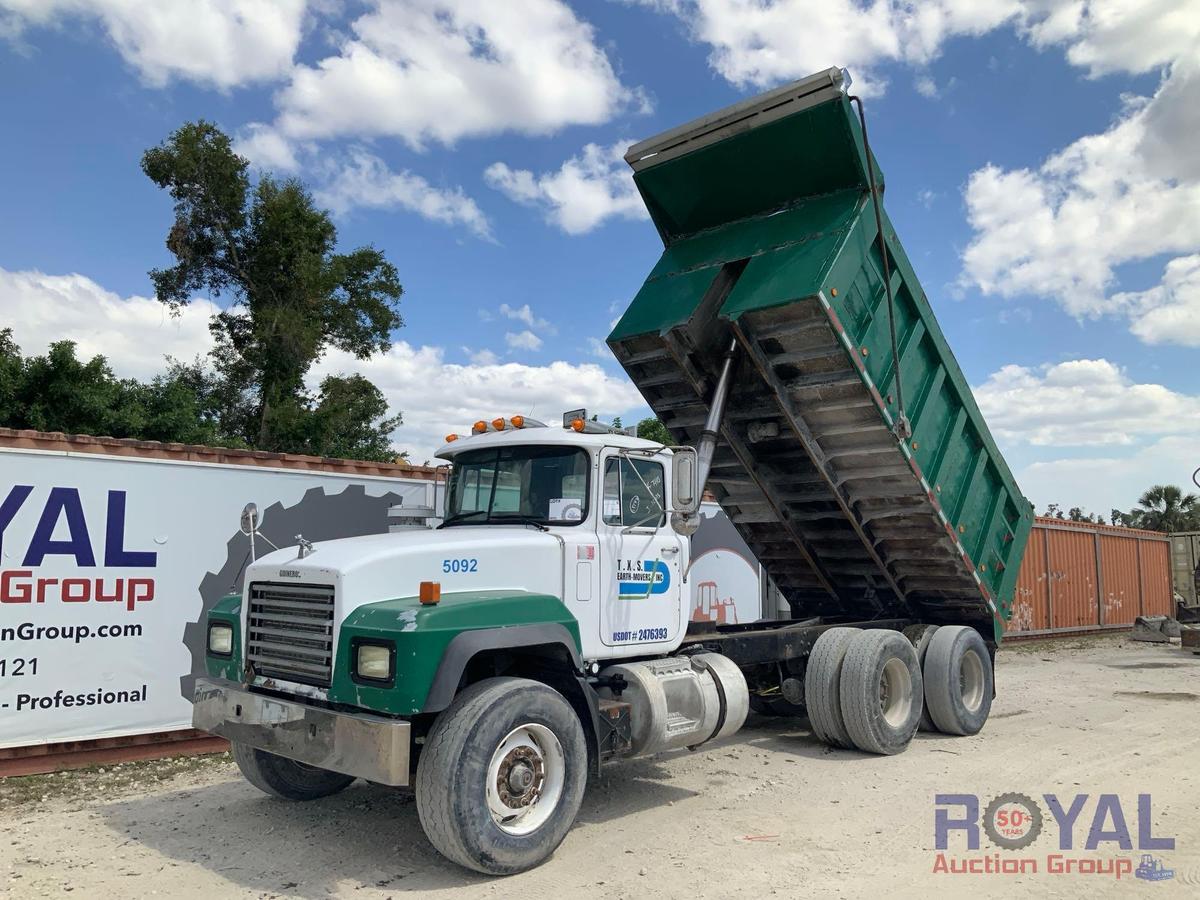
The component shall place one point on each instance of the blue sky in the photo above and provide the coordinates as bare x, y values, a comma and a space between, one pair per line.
1037, 154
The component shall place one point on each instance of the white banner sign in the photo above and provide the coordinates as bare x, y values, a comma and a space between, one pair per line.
108, 565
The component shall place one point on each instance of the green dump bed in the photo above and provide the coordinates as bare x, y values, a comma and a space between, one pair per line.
766, 213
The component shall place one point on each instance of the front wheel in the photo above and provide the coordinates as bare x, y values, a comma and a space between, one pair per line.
285, 778
501, 776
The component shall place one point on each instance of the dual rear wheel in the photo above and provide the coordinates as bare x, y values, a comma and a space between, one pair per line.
872, 689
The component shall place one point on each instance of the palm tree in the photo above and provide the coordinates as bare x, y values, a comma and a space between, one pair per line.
1166, 508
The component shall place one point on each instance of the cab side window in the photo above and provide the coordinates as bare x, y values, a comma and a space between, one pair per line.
634, 493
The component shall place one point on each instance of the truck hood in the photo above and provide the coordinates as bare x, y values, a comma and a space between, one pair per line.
372, 568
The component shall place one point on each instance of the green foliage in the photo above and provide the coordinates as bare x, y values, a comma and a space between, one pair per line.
272, 251
1165, 507
60, 392
653, 430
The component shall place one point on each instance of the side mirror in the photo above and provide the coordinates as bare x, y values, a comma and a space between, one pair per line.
250, 518
685, 480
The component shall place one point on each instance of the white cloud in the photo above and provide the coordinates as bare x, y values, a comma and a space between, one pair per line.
926, 87
523, 340
1109, 482
439, 398
1168, 313
441, 70
524, 314
1128, 194
365, 181
585, 191
1060, 230
481, 357
1083, 402
222, 43
134, 333
757, 43
266, 148
599, 349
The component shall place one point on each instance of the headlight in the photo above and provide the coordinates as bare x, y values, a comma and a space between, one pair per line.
375, 662
220, 639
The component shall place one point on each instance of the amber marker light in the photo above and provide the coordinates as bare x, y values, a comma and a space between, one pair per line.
518, 421
498, 423
431, 593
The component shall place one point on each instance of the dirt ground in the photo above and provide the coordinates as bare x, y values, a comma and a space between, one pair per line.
772, 813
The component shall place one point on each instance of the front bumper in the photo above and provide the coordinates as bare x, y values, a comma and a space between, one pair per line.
358, 744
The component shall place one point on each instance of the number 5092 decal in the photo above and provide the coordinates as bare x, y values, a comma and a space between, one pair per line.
460, 565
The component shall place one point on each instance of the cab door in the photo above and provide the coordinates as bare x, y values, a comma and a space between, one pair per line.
641, 591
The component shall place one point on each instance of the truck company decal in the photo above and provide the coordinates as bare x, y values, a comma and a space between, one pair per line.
635, 575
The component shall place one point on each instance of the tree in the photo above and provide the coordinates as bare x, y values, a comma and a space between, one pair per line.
272, 250
60, 392
653, 430
1164, 507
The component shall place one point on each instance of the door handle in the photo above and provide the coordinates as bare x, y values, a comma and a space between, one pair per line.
668, 551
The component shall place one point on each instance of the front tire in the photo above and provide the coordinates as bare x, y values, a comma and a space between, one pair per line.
285, 778
501, 776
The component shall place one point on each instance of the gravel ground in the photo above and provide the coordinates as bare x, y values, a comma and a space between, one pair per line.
772, 812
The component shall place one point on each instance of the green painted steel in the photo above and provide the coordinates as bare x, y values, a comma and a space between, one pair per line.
228, 610
768, 229
421, 635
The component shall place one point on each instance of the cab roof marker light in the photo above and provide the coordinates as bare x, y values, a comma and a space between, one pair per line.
498, 423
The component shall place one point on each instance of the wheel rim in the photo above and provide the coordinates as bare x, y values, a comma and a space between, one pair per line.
971, 681
895, 692
525, 779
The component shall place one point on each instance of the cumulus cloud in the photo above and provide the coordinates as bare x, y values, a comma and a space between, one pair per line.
1131, 193
758, 43
441, 70
222, 43
365, 181
134, 333
1083, 402
1100, 484
524, 314
581, 194
1168, 313
439, 398
523, 340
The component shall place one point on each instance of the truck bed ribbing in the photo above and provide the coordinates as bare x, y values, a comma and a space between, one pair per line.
771, 241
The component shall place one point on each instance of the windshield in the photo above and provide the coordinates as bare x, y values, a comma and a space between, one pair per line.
543, 485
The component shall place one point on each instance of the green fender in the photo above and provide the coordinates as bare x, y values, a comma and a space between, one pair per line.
435, 642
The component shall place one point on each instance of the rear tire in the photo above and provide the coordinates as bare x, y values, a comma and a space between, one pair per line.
920, 635
501, 776
285, 778
823, 686
881, 691
958, 680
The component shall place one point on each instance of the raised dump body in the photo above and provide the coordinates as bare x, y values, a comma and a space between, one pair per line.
862, 493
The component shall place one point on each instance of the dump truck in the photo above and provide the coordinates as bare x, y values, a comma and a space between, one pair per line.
497, 662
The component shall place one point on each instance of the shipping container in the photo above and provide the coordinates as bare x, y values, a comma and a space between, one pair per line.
1078, 576
853, 460
1185, 557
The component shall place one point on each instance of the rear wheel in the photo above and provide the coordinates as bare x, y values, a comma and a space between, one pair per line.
920, 636
501, 776
822, 686
881, 691
285, 778
958, 680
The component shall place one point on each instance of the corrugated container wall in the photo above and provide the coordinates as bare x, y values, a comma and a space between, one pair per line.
1078, 576
1185, 556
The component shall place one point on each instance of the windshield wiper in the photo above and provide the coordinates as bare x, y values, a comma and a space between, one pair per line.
525, 520
458, 517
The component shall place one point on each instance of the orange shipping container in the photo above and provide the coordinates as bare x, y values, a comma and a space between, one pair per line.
1077, 576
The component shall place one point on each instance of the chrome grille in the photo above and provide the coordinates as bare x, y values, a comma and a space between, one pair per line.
290, 631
